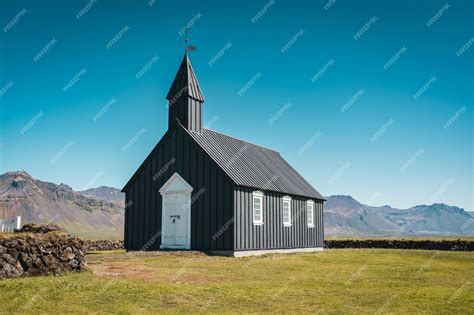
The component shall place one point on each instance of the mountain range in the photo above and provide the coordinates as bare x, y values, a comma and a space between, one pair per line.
99, 212
343, 215
82, 214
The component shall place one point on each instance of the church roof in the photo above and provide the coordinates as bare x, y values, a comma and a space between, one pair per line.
253, 166
186, 82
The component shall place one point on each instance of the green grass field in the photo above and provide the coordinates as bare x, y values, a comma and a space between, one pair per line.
333, 281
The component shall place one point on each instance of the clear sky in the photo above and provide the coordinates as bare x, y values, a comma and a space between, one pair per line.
367, 98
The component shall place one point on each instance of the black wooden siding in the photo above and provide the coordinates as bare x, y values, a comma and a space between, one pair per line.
188, 111
210, 213
224, 206
272, 234
194, 115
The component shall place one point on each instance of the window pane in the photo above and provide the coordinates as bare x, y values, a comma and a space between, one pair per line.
257, 203
286, 212
310, 214
256, 213
257, 209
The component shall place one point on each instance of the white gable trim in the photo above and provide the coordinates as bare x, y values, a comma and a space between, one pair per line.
176, 184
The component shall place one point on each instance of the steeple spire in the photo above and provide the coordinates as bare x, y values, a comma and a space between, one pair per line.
185, 82
185, 98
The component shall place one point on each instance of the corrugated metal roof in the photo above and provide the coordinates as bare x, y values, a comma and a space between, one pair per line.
185, 82
253, 166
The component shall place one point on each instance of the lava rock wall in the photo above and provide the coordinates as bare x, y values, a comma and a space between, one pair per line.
454, 245
98, 245
34, 254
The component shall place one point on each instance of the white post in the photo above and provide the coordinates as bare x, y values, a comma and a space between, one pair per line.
18, 223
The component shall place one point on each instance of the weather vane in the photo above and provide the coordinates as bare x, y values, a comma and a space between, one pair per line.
186, 46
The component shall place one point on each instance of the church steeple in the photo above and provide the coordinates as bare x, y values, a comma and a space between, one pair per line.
185, 98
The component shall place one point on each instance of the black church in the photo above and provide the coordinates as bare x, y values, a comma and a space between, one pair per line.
199, 189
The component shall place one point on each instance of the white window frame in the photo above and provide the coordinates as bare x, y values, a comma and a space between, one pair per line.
257, 195
310, 204
288, 200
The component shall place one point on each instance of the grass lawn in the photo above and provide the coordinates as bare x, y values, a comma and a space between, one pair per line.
334, 281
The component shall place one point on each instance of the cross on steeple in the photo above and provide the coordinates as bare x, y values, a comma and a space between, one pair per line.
185, 96
186, 39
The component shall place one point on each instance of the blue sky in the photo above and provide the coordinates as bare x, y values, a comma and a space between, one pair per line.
417, 108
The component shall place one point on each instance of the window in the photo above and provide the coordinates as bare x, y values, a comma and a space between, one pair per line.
257, 208
286, 211
310, 213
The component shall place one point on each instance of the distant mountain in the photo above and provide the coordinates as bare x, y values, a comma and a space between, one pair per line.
346, 216
105, 193
99, 212
42, 202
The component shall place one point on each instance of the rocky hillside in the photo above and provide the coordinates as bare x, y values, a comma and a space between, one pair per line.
346, 216
42, 202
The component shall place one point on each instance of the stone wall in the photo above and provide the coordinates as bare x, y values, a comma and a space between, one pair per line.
455, 245
38, 254
38, 228
95, 245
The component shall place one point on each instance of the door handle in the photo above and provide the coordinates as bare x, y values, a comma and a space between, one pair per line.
174, 217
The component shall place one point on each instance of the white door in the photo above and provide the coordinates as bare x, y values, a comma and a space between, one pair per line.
176, 213
175, 220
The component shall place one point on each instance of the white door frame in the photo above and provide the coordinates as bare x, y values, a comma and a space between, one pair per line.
175, 185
